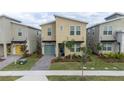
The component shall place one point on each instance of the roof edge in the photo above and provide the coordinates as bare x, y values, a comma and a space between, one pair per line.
25, 25
48, 22
73, 19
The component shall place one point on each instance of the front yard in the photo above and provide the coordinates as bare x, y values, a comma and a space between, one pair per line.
95, 64
87, 78
16, 67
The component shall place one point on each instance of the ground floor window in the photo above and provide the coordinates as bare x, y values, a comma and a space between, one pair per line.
107, 46
76, 47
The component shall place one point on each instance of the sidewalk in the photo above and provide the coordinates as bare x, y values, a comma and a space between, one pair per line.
62, 72
33, 78
41, 74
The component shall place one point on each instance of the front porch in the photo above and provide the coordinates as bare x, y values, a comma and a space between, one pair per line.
13, 48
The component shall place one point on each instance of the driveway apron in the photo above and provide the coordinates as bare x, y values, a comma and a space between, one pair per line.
43, 63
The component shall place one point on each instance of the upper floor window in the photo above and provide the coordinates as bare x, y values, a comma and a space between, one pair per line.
72, 30
19, 33
77, 30
61, 28
107, 30
49, 31
110, 30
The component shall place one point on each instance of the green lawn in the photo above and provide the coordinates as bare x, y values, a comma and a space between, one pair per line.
97, 63
88, 78
31, 61
9, 78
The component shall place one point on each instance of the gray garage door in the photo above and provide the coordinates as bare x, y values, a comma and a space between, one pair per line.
49, 49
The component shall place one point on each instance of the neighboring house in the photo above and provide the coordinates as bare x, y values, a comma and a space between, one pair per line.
14, 35
63, 29
110, 34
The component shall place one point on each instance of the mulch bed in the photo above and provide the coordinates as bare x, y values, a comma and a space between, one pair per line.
2, 60
112, 60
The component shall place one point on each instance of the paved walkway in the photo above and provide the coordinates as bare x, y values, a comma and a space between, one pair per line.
33, 78
43, 63
8, 61
41, 74
62, 72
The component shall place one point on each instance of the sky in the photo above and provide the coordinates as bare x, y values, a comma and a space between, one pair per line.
37, 18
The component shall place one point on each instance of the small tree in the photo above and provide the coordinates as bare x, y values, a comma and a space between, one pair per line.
86, 52
39, 50
69, 45
25, 50
99, 47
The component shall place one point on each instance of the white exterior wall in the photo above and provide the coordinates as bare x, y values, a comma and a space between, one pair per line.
32, 39
120, 39
9, 32
5, 30
117, 25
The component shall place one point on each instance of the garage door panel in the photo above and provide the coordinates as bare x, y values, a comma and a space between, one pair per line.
49, 50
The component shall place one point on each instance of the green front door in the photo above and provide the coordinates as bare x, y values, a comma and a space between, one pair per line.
49, 49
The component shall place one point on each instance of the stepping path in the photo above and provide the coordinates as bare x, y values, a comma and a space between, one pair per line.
43, 63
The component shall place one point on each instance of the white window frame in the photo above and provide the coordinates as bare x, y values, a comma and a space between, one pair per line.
20, 32
50, 31
106, 45
70, 30
75, 29
107, 29
61, 27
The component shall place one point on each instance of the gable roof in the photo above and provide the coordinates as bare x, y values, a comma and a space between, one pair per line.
25, 25
116, 13
73, 19
105, 22
10, 18
48, 23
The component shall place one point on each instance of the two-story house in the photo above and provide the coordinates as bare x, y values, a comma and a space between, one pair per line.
109, 34
14, 36
63, 29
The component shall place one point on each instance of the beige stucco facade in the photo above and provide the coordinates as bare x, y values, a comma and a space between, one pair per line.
9, 36
61, 32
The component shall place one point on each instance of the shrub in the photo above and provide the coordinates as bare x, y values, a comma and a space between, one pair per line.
114, 55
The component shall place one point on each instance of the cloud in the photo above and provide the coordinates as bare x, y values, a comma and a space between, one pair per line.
36, 18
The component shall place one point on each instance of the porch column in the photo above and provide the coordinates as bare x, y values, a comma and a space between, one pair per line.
5, 50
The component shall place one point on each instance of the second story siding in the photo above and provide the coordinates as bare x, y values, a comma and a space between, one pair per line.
64, 26
5, 30
113, 26
49, 32
19, 32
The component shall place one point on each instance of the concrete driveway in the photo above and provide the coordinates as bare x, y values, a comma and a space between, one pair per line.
8, 60
43, 63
